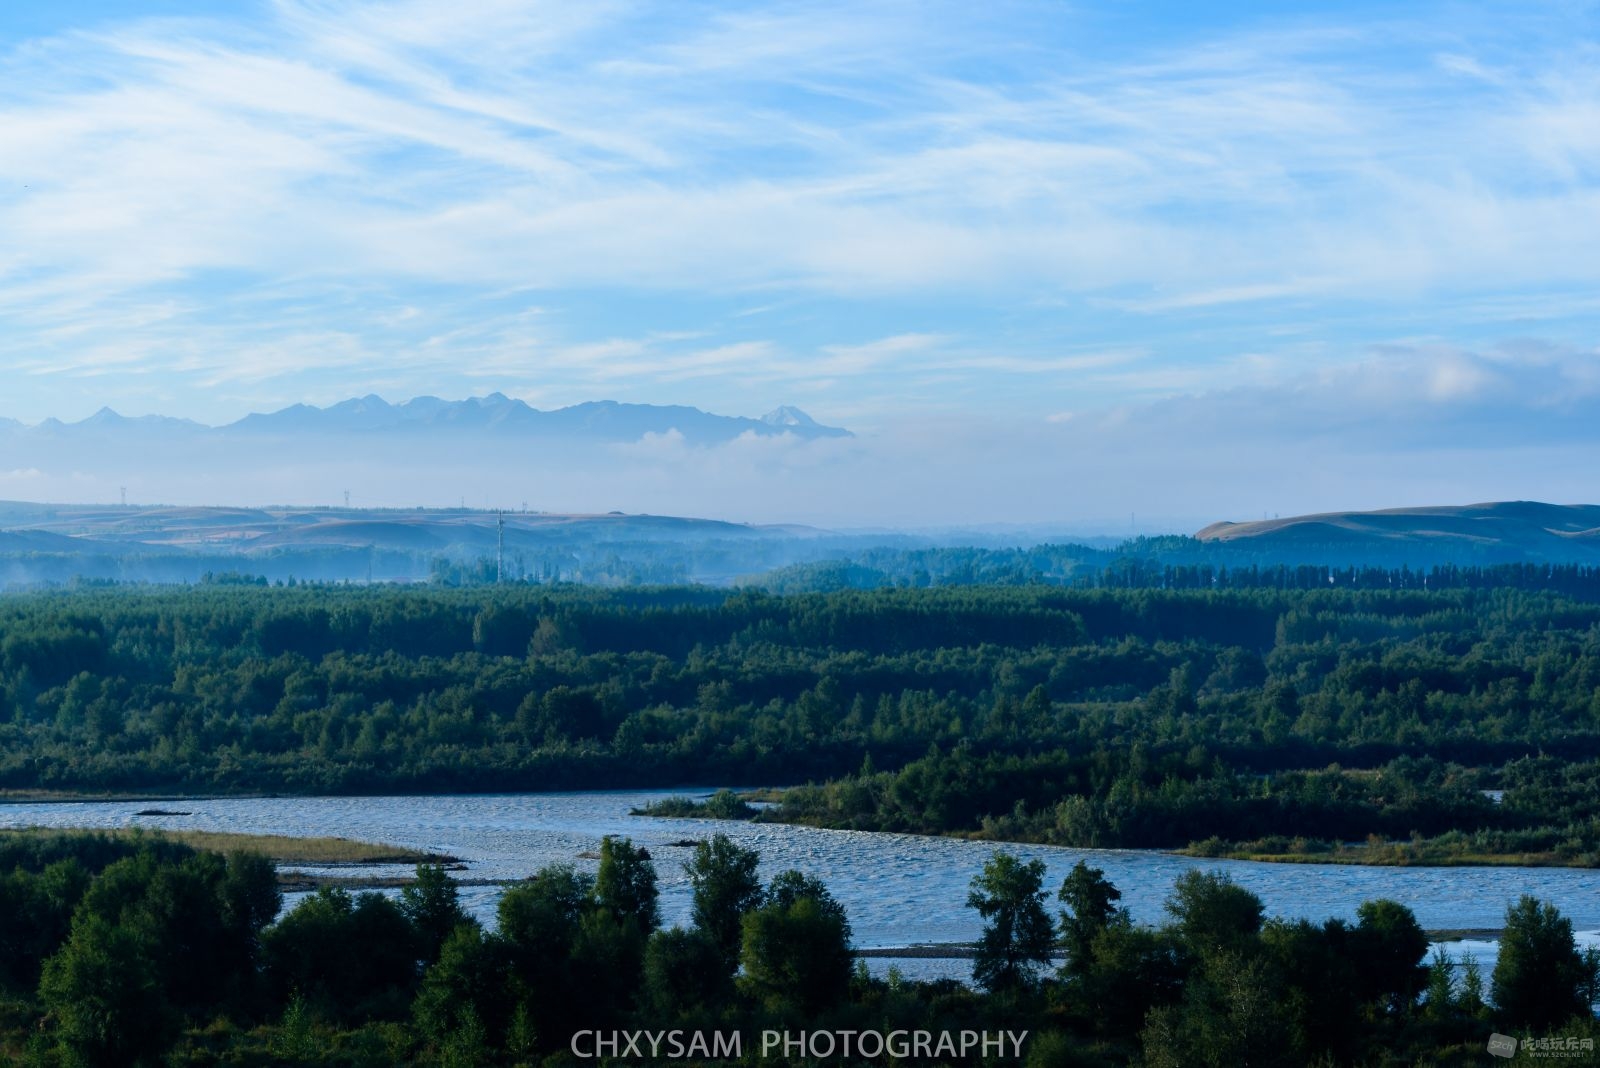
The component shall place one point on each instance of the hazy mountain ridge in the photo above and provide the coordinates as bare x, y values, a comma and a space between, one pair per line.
245, 529
494, 413
47, 543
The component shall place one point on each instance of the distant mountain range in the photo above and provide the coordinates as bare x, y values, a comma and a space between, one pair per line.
494, 414
1492, 532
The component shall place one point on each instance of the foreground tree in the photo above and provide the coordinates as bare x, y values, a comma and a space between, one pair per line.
433, 905
796, 946
104, 993
1114, 973
1091, 907
625, 886
1388, 946
540, 921
350, 958
466, 990
1213, 914
1018, 936
1540, 979
683, 973
1232, 1013
726, 887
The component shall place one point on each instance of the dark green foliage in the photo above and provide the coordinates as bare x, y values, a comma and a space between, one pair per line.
1214, 986
540, 921
1212, 915
1258, 707
153, 940
35, 917
350, 958
432, 906
1388, 946
1232, 1013
1113, 973
1091, 908
1540, 979
105, 995
726, 887
35, 850
1018, 936
684, 973
540, 917
607, 956
796, 947
198, 921
1265, 710
467, 988
625, 885
788, 887
722, 805
250, 895
1320, 974
1131, 970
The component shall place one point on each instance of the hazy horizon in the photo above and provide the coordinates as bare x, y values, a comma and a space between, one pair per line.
1049, 264
964, 473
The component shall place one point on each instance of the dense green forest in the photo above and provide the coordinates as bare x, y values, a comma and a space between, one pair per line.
131, 953
1266, 714
1168, 563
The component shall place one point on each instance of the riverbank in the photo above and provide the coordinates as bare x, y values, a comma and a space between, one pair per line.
1451, 850
969, 950
764, 805
1393, 854
899, 889
86, 797
321, 851
1375, 852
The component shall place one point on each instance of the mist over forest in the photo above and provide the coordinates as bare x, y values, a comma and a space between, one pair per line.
45, 545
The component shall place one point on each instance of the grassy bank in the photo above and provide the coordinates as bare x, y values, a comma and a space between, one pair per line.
280, 849
1445, 851
800, 806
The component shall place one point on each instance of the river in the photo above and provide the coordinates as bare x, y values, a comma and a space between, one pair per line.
899, 890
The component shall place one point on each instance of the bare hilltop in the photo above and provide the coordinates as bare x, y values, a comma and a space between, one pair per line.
1497, 531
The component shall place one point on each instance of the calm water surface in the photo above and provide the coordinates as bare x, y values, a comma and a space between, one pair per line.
899, 889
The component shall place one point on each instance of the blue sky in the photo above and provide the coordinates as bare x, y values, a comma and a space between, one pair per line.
1374, 227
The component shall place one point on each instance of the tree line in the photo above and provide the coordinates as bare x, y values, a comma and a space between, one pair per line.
131, 953
1163, 563
1137, 717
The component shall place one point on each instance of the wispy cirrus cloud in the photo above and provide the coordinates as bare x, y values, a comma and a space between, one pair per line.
876, 211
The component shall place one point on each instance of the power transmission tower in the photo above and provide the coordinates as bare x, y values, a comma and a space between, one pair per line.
124, 495
499, 547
